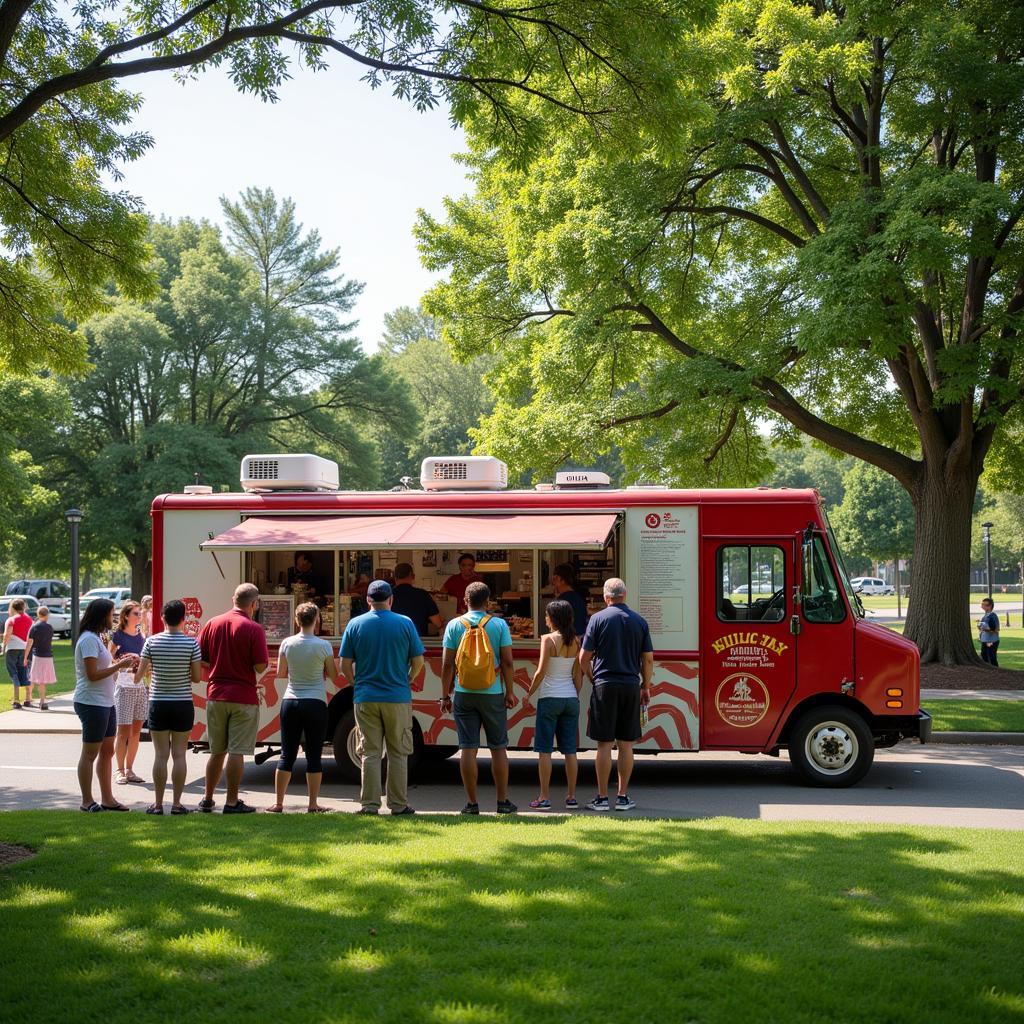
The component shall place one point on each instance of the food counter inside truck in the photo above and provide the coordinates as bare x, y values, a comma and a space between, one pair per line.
752, 624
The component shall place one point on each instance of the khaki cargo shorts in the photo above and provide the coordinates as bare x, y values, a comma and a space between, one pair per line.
231, 728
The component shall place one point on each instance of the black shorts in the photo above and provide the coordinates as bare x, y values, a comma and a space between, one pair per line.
171, 715
98, 723
614, 712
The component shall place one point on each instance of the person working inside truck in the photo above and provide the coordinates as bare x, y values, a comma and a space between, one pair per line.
618, 656
302, 572
413, 601
563, 580
456, 585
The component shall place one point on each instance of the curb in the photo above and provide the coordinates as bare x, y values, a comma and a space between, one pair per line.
992, 739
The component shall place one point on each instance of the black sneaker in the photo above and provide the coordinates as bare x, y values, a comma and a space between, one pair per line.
240, 808
623, 803
599, 803
506, 807
206, 805
368, 810
471, 809
405, 810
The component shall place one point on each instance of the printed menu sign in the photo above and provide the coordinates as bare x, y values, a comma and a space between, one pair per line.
662, 573
276, 616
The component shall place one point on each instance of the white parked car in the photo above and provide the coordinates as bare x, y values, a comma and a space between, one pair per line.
116, 594
872, 586
60, 621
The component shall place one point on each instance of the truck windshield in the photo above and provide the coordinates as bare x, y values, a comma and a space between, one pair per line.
844, 576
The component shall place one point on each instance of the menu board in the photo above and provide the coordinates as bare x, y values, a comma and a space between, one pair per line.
661, 573
276, 616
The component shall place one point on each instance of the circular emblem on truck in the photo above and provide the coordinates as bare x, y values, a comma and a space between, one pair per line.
741, 700
653, 520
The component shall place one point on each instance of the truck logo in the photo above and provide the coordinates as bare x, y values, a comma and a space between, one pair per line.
653, 520
193, 616
742, 700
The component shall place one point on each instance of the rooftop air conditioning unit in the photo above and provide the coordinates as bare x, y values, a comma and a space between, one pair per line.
289, 473
463, 473
581, 480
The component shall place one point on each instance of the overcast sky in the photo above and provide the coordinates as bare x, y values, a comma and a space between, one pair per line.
358, 164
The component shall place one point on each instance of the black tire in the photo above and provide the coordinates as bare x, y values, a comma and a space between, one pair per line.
344, 745
831, 746
435, 752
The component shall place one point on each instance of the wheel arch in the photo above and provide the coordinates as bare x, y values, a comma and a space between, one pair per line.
818, 700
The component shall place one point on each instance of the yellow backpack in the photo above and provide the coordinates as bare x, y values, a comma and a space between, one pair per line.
474, 660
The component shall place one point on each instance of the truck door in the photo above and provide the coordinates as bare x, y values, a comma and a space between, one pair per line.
749, 650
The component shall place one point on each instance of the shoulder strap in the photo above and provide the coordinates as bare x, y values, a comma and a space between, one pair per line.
483, 622
466, 622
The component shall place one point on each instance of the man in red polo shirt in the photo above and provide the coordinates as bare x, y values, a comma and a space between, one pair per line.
234, 651
456, 585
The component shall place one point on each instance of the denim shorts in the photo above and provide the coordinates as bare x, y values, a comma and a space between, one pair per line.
557, 718
98, 723
476, 711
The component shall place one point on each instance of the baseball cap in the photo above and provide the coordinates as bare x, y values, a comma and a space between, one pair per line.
379, 590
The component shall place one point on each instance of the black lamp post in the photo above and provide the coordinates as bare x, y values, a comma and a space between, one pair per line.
987, 540
74, 518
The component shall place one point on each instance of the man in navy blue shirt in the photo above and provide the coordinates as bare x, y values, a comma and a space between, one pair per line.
380, 653
563, 580
618, 656
414, 601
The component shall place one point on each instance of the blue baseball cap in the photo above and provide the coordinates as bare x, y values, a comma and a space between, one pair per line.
379, 590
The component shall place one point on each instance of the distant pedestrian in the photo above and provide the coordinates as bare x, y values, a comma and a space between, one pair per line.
147, 615
413, 601
39, 657
557, 682
619, 657
172, 660
15, 641
94, 703
477, 663
988, 632
380, 654
234, 651
307, 662
131, 700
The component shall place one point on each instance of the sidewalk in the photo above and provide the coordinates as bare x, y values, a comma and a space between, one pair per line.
929, 694
59, 719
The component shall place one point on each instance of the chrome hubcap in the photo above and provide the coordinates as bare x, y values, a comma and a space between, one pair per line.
831, 747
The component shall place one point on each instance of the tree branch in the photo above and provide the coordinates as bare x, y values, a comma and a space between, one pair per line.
741, 214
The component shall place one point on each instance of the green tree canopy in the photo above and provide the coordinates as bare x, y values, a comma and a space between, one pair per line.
876, 518
821, 230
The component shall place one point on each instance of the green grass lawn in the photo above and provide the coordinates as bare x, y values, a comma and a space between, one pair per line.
1011, 644
890, 602
121, 918
977, 715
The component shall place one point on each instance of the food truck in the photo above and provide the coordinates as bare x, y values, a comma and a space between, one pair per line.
760, 642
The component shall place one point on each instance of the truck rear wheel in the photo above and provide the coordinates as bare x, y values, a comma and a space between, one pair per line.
831, 746
346, 738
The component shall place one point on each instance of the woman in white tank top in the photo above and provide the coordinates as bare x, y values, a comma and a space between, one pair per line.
557, 682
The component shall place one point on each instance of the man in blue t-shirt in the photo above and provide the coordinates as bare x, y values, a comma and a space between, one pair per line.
563, 582
618, 656
481, 709
988, 632
380, 653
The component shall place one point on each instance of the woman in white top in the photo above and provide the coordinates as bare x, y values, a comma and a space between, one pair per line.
94, 703
308, 662
558, 679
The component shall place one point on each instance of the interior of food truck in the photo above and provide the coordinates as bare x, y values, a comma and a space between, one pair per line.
520, 581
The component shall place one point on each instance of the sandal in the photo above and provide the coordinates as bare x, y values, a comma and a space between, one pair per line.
132, 777
43, 706
27, 704
275, 809
120, 778
92, 808
116, 807
540, 805
179, 809
153, 809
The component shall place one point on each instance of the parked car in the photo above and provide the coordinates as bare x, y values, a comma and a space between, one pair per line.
55, 594
872, 586
760, 587
61, 621
116, 594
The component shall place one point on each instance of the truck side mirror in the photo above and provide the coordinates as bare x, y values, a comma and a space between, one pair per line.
806, 567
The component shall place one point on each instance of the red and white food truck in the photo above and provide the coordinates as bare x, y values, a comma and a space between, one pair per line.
760, 643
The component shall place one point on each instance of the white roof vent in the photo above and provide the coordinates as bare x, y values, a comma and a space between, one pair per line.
463, 473
198, 489
288, 473
581, 480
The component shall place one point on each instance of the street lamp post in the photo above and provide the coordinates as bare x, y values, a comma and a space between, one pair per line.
987, 540
74, 518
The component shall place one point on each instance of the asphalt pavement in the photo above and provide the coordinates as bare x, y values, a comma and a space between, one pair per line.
909, 784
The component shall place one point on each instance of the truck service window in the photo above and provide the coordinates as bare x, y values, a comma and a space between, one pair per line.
751, 582
823, 604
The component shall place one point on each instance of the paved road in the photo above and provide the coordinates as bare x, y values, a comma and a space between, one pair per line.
910, 784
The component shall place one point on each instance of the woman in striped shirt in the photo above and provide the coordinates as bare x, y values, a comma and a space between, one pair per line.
173, 659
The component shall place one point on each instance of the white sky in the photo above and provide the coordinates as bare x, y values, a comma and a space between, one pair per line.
357, 162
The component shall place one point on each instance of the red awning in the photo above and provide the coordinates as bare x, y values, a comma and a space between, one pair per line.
371, 533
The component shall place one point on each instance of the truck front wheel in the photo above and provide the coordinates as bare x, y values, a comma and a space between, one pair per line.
831, 746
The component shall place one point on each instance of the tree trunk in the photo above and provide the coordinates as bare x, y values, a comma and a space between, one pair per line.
938, 619
139, 561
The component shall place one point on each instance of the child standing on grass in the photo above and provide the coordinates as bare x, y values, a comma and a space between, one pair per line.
39, 647
988, 632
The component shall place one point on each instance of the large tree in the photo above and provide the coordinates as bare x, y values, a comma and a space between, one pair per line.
66, 111
822, 234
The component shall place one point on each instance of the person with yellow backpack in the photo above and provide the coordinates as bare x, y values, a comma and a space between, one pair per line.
477, 667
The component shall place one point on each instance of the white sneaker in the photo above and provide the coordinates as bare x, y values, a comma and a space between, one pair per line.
599, 803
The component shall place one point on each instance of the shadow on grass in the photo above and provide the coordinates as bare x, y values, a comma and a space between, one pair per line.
567, 920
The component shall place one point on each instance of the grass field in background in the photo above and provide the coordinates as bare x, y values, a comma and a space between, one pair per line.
500, 922
977, 715
1011, 644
